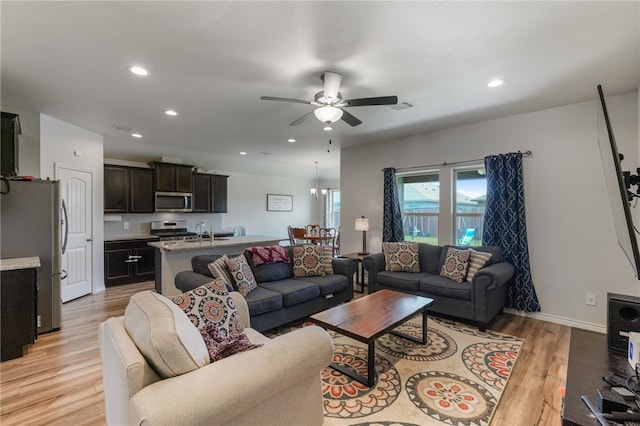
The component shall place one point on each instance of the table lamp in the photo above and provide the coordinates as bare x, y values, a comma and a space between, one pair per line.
362, 224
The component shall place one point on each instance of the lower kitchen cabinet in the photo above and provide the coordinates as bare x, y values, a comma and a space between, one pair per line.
129, 261
19, 290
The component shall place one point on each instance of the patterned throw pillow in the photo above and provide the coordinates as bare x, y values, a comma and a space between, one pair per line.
477, 260
211, 304
268, 254
327, 255
218, 269
455, 264
308, 261
401, 257
242, 277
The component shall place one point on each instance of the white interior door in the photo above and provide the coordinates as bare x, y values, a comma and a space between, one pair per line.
76, 193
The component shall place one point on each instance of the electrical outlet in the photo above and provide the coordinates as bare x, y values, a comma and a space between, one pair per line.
39, 320
125, 225
590, 299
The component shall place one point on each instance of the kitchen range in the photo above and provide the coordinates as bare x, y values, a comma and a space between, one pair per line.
171, 230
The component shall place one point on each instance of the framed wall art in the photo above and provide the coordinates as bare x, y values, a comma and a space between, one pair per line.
279, 203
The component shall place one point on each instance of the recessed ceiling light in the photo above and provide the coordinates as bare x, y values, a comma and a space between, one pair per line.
171, 112
327, 128
291, 140
137, 70
243, 153
136, 135
495, 83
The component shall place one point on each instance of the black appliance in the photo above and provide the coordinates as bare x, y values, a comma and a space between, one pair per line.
10, 125
171, 230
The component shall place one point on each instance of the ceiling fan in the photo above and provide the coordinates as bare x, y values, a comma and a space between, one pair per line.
330, 103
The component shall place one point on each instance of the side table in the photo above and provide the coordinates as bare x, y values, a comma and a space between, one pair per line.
360, 270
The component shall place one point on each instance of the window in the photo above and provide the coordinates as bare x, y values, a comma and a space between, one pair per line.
332, 209
471, 197
425, 198
420, 204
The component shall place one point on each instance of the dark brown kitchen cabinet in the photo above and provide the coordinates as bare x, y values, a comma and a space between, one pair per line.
171, 177
129, 261
19, 302
128, 189
209, 193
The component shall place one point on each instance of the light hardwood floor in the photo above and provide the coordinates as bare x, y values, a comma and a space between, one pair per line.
59, 382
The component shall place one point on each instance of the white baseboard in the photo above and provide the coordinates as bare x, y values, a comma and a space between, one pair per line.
598, 328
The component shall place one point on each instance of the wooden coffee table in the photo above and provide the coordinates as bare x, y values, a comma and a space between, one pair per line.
369, 317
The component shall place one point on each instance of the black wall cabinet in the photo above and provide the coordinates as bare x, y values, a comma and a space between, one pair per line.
128, 189
209, 193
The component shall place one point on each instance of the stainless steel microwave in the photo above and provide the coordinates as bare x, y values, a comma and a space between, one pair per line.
174, 201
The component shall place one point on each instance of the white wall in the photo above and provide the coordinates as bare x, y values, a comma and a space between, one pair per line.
58, 142
572, 241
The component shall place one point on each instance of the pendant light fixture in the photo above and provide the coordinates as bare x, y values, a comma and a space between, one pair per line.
314, 191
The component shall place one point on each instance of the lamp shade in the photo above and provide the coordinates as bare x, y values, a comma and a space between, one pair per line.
328, 114
362, 224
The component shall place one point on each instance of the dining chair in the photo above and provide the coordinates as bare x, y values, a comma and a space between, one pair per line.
336, 243
327, 238
313, 230
296, 235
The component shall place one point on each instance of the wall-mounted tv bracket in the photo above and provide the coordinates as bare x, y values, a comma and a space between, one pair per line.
631, 180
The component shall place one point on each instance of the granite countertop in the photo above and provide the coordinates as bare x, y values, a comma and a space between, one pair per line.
19, 263
222, 242
127, 237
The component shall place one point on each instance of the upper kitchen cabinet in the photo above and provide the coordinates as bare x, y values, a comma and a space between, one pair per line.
209, 193
171, 177
128, 189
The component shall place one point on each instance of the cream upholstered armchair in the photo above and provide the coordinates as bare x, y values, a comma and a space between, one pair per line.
275, 384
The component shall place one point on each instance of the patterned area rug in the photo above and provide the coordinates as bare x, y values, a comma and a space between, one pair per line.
457, 378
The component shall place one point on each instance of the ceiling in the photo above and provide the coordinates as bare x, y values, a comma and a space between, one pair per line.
211, 62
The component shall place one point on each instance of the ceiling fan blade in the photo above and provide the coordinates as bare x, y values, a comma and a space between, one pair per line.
380, 100
332, 83
301, 119
271, 98
350, 119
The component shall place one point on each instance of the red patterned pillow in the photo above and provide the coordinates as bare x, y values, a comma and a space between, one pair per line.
455, 264
268, 254
308, 261
211, 304
221, 346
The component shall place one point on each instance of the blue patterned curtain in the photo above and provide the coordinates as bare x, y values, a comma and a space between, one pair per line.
505, 226
391, 215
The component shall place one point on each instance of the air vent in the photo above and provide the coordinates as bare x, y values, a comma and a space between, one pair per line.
264, 153
123, 128
402, 105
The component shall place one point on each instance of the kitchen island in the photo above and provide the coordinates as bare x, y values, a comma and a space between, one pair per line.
172, 257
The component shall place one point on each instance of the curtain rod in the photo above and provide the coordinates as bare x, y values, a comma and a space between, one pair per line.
525, 154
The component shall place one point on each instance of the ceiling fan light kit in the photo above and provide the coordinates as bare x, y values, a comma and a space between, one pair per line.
328, 114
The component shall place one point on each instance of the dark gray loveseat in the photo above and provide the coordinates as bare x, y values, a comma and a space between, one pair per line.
280, 297
478, 301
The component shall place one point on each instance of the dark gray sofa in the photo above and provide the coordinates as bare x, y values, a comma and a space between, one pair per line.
479, 301
280, 297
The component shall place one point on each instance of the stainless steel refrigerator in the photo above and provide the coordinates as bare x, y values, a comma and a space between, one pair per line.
30, 225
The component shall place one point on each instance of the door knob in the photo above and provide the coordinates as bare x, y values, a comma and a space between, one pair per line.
89, 240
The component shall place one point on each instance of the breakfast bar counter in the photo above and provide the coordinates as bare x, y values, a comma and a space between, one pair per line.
174, 256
